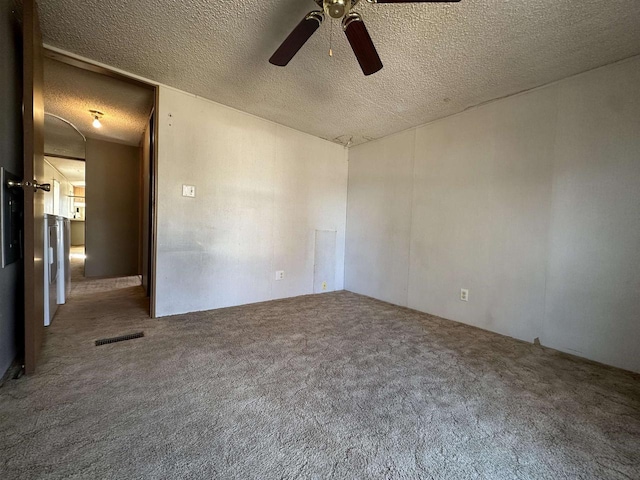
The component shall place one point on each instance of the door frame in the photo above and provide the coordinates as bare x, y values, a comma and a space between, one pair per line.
88, 65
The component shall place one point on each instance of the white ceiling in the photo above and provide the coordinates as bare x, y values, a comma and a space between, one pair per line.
439, 59
71, 92
73, 170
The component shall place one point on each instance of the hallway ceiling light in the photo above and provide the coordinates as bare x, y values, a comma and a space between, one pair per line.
97, 115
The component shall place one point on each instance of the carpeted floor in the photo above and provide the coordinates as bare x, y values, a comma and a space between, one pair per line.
327, 386
81, 285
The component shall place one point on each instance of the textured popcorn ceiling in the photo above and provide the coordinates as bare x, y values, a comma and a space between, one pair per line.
439, 59
61, 139
74, 170
71, 92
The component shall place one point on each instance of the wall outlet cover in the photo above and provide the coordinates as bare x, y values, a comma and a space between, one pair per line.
464, 294
279, 274
324, 285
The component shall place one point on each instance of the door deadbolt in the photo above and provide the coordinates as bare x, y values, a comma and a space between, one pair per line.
42, 186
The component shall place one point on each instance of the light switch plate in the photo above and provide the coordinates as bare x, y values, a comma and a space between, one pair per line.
188, 191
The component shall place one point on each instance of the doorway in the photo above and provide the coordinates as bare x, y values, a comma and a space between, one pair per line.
108, 179
23, 172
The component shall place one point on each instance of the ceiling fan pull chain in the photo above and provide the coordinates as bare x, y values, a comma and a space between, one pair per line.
331, 39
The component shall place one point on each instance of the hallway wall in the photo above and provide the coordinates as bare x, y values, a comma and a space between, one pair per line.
113, 201
11, 283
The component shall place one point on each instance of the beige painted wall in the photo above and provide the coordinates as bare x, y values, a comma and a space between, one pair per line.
531, 202
262, 191
113, 202
77, 233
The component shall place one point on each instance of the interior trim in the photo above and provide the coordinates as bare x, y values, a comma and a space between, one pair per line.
61, 57
68, 123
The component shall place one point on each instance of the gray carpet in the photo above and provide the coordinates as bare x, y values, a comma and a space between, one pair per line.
328, 386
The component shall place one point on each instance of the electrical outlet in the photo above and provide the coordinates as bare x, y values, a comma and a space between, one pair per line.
280, 275
188, 191
324, 285
464, 294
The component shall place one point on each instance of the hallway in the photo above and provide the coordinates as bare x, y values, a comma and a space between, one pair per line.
81, 285
76, 382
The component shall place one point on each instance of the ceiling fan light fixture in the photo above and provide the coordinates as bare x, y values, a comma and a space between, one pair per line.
348, 19
337, 8
352, 25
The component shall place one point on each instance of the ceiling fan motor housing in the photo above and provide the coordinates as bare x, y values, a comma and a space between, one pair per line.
337, 8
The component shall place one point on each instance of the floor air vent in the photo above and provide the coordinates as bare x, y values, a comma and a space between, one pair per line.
121, 338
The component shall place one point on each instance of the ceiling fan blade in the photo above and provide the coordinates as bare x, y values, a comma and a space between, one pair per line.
413, 1
297, 38
361, 43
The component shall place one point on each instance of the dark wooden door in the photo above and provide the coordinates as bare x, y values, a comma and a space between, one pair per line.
33, 121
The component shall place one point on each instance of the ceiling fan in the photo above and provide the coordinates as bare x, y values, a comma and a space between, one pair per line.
352, 25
